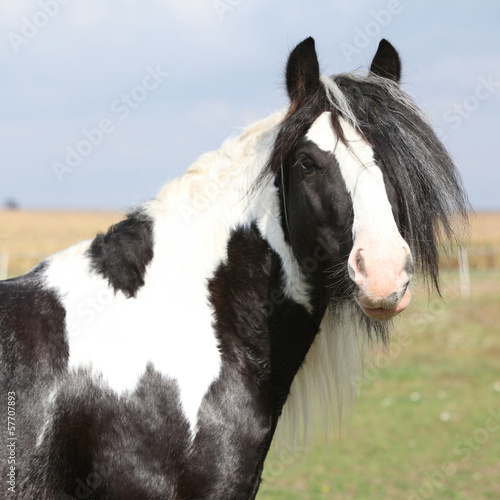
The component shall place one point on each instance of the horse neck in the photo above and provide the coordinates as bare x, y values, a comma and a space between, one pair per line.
219, 194
222, 195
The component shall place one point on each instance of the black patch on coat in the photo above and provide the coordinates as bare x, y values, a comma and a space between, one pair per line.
33, 355
263, 337
32, 326
122, 254
318, 217
102, 446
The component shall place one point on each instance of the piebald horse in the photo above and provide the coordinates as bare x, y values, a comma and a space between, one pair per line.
155, 361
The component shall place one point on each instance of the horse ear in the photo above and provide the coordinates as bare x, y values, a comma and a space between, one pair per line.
302, 71
386, 62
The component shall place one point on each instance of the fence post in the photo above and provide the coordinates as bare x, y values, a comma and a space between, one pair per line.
464, 273
4, 265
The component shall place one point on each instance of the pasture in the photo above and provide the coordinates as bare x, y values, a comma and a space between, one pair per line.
427, 420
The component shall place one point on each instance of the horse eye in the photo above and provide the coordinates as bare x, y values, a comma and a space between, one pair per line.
306, 163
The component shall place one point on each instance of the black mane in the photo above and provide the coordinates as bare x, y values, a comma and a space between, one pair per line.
432, 202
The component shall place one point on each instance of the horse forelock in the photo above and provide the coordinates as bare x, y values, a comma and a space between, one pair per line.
432, 202
407, 149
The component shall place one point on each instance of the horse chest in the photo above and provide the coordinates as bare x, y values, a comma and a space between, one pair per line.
118, 338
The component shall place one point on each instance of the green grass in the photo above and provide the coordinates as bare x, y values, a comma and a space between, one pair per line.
423, 425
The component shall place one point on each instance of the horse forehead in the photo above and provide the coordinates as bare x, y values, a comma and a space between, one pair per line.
354, 155
324, 136
322, 133
363, 178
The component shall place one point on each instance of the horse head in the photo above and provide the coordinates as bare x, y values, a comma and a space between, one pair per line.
362, 174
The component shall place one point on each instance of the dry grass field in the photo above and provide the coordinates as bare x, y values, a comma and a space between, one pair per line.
30, 236
484, 244
485, 228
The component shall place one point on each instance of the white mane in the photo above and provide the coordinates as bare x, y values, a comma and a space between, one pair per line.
324, 390
227, 172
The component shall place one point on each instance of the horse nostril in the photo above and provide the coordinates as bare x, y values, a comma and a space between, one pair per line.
356, 265
405, 287
351, 272
360, 262
409, 268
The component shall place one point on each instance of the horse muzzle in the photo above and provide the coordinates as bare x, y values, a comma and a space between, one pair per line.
381, 271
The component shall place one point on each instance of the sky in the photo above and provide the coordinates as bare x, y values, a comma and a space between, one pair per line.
103, 101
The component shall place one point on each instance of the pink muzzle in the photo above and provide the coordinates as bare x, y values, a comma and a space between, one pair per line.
382, 268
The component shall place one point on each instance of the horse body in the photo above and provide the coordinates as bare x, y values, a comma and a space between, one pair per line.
130, 314
155, 360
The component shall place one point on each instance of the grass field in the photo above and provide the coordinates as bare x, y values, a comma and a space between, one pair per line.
427, 421
30, 236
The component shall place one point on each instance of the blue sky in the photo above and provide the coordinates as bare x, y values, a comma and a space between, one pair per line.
152, 84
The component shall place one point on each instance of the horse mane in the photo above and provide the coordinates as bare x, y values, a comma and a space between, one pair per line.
239, 158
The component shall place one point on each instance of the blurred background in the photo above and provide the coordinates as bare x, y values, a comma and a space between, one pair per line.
102, 102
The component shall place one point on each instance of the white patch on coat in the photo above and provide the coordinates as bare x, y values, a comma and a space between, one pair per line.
170, 322
363, 178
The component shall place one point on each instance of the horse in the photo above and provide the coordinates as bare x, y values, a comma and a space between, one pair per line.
156, 360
